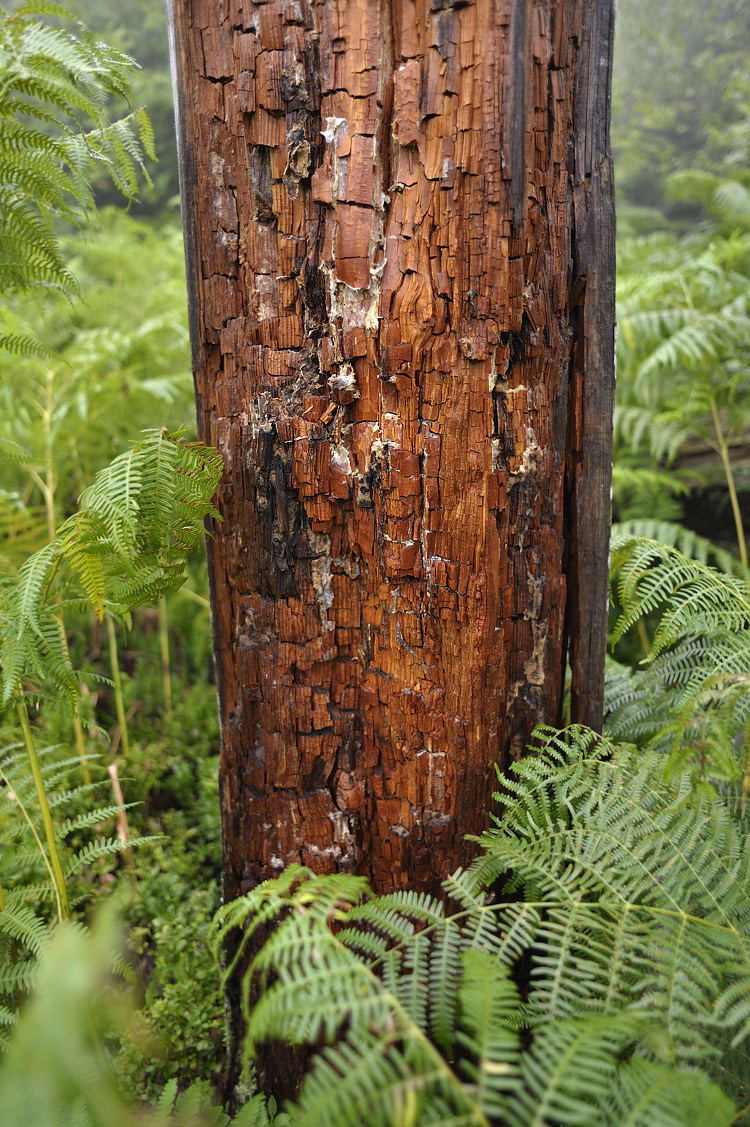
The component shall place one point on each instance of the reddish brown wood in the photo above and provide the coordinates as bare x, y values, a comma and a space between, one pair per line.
400, 250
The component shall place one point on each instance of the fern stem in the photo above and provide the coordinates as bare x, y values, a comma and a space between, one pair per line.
49, 470
726, 462
166, 673
81, 747
55, 865
123, 830
746, 769
119, 699
48, 492
199, 599
34, 834
77, 725
643, 637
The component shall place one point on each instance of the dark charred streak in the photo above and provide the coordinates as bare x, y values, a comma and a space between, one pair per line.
443, 24
312, 289
319, 775
279, 514
293, 88
445, 5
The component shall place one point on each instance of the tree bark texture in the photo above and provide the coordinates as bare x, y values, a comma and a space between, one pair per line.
399, 228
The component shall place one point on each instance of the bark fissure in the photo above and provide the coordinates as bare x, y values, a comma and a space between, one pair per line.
399, 226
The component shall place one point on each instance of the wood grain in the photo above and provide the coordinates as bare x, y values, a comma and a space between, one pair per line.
399, 230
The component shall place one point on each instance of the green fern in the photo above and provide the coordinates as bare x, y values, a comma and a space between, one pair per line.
692, 699
623, 898
645, 889
684, 346
647, 492
25, 886
124, 547
55, 138
56, 1071
654, 576
126, 544
673, 535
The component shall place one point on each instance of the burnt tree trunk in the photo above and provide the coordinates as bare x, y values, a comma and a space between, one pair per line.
399, 227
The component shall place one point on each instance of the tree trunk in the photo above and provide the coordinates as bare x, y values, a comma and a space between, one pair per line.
399, 228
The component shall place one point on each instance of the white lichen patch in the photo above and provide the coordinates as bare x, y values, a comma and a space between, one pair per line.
529, 457
341, 458
344, 380
335, 126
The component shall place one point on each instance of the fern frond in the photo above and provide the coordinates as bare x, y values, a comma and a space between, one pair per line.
693, 698
126, 546
675, 535
320, 978
106, 847
652, 574
571, 1069
89, 818
20, 923
11, 451
649, 1095
63, 81
489, 1005
644, 890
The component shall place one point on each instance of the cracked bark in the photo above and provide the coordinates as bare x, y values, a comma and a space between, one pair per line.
399, 228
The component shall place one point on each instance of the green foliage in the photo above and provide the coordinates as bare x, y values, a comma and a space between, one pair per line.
621, 902
670, 535
25, 880
696, 595
179, 1032
683, 337
112, 371
175, 779
57, 1072
125, 546
139, 29
684, 357
692, 699
55, 138
680, 92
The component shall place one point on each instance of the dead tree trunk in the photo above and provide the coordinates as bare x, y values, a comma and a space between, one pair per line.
399, 226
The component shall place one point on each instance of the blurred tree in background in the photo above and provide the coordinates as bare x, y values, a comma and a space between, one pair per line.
681, 92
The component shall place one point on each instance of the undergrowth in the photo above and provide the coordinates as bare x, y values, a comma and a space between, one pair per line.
591, 967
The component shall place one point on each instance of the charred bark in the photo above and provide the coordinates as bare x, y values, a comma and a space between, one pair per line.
399, 227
